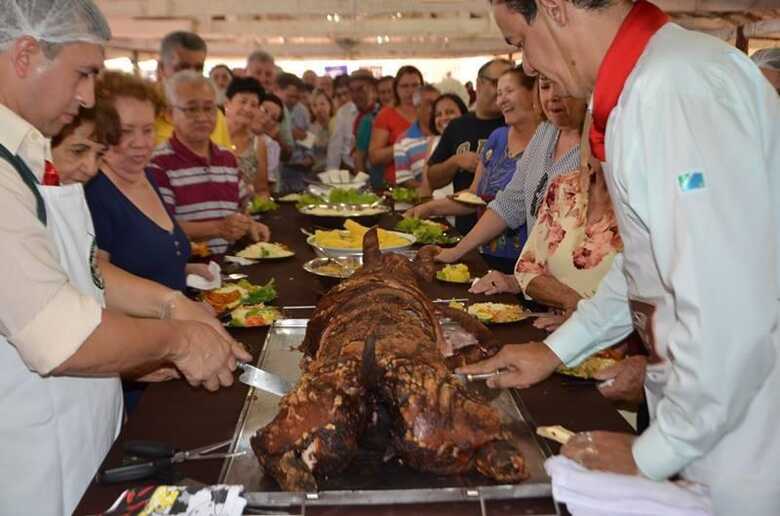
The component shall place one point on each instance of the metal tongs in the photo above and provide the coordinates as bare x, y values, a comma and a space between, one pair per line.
163, 456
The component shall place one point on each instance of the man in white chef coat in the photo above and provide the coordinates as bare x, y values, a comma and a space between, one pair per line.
64, 338
689, 130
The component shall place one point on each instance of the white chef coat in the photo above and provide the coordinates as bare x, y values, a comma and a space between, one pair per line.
693, 168
54, 431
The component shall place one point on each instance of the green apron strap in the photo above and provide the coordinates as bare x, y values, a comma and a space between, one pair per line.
29, 179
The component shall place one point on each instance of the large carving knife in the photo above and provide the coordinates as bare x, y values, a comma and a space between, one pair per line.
263, 380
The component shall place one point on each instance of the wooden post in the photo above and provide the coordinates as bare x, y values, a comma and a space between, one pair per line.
742, 41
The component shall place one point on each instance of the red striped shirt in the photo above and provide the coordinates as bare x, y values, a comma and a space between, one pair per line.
195, 188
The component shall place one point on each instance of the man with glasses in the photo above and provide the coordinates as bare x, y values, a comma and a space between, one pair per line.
199, 181
455, 158
179, 51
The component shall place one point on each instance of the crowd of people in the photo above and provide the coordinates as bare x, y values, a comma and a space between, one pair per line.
630, 215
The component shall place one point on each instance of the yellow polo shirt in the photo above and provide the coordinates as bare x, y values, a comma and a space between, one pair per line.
220, 136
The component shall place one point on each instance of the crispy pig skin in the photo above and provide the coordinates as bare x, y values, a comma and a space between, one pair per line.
374, 357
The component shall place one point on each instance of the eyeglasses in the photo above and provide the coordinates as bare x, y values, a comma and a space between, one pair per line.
193, 111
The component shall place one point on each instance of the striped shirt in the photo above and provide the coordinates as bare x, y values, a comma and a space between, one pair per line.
410, 153
197, 189
519, 202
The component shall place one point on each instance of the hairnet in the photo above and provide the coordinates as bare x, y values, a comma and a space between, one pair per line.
53, 21
767, 58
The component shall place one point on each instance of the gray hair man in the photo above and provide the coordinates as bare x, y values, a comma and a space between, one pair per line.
179, 51
260, 65
768, 61
68, 325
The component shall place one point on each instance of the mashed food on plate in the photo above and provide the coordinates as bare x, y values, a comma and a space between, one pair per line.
352, 237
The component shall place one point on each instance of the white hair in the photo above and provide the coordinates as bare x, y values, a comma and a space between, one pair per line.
185, 77
768, 58
52, 21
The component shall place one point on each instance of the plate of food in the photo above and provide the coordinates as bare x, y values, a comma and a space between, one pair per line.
261, 205
455, 273
349, 241
497, 313
592, 365
405, 196
468, 198
266, 251
253, 316
427, 231
339, 268
200, 249
233, 295
292, 197
339, 196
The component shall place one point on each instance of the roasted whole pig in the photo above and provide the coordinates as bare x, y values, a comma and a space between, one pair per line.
376, 362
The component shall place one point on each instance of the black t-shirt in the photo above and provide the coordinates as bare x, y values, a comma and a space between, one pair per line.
464, 134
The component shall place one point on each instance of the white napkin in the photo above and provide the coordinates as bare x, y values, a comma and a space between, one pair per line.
309, 141
201, 283
594, 493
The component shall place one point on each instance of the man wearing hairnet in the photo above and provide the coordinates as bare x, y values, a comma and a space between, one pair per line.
64, 340
768, 61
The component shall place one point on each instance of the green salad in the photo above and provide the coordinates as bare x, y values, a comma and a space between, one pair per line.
262, 205
426, 231
407, 195
257, 294
339, 196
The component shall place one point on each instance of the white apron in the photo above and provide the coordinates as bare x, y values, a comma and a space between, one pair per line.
55, 431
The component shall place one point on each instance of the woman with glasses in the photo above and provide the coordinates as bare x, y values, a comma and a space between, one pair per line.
391, 122
244, 95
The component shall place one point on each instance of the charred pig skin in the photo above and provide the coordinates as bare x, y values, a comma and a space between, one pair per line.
373, 342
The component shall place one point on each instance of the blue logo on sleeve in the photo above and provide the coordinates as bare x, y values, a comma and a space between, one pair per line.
691, 181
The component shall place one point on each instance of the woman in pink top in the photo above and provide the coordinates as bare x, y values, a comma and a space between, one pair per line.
392, 121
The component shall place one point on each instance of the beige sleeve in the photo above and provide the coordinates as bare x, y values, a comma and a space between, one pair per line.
41, 313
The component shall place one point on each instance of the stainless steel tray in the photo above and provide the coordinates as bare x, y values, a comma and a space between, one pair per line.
368, 481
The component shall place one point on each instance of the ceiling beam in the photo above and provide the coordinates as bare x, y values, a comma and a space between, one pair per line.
194, 8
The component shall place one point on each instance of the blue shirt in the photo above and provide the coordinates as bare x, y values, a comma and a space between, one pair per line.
135, 242
499, 169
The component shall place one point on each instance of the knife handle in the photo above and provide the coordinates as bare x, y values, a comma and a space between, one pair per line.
132, 472
149, 449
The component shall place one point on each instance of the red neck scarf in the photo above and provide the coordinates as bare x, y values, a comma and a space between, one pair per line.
642, 22
50, 175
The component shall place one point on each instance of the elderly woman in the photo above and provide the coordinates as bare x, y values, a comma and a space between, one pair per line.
244, 95
132, 226
79, 147
497, 166
391, 122
207, 204
553, 150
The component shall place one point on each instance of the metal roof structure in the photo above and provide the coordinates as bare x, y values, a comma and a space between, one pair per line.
351, 29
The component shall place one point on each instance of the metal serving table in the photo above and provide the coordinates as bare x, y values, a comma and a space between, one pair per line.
368, 480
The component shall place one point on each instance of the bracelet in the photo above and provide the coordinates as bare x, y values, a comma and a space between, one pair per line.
169, 304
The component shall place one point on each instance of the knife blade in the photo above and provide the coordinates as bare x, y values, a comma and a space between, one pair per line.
263, 380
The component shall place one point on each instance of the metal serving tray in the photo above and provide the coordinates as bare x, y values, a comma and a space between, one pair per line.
368, 481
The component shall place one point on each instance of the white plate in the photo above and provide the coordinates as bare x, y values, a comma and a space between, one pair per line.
473, 201
337, 251
342, 210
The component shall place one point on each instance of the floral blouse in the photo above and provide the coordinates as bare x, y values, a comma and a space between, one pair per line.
561, 243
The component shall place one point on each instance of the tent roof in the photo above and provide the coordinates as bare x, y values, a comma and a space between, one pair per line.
378, 28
